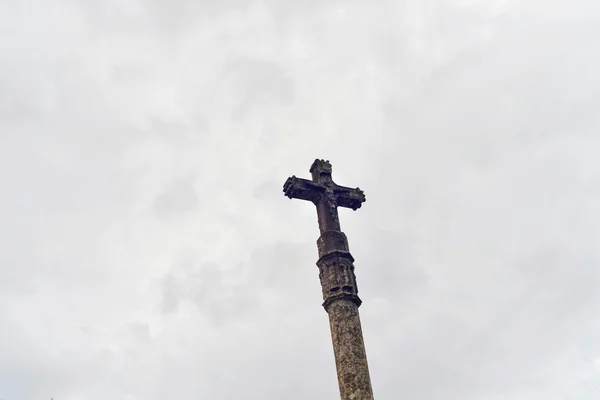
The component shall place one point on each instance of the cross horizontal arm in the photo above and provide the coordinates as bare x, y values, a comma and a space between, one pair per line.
348, 197
303, 189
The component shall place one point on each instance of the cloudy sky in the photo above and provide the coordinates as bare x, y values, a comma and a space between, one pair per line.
148, 252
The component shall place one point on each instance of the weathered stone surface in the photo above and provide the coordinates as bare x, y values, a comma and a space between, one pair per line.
349, 349
336, 272
332, 241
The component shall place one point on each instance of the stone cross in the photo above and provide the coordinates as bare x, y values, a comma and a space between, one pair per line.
336, 272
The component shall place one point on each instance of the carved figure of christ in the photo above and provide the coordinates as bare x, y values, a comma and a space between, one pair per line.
336, 272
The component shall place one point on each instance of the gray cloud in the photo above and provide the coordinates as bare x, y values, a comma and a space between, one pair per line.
148, 251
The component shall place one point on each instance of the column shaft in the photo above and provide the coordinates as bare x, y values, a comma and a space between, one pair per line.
349, 350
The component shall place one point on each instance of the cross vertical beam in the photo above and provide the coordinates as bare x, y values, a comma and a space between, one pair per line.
336, 273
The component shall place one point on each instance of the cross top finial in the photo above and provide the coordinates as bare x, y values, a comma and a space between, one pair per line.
321, 170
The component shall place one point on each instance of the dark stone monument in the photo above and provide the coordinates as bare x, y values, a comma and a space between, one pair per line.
336, 272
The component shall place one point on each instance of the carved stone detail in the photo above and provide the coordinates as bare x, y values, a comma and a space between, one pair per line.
321, 167
323, 191
331, 201
331, 241
336, 273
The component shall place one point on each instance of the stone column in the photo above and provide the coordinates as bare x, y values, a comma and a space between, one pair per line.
341, 301
336, 271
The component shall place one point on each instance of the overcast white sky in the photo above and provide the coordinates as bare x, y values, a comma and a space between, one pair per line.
148, 252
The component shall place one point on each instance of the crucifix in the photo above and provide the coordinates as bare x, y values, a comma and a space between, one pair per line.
336, 272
